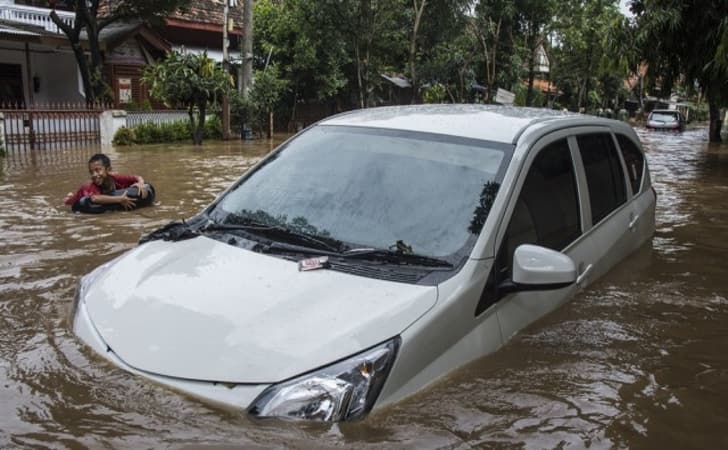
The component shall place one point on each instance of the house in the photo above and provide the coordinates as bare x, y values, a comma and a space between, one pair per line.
37, 65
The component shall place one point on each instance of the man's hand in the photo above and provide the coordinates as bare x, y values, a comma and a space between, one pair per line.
68, 196
126, 202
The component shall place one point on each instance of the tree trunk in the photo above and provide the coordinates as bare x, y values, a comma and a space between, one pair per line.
419, 9
715, 122
531, 69
358, 76
199, 133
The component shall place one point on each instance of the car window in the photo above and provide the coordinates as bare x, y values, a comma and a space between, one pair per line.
546, 213
547, 210
604, 175
634, 160
375, 187
664, 116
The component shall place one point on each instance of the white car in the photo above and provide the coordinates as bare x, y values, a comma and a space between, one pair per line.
371, 254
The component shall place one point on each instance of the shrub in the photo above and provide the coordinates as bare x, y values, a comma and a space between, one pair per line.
124, 136
213, 127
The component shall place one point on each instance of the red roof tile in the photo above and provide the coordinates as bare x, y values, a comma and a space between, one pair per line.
199, 11
208, 11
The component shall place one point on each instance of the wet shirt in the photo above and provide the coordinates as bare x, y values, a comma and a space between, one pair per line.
89, 189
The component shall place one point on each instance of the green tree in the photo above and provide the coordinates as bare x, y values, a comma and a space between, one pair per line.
491, 27
374, 33
266, 92
593, 53
293, 35
188, 81
687, 40
534, 17
93, 16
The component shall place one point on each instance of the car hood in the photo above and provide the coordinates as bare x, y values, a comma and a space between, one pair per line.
204, 310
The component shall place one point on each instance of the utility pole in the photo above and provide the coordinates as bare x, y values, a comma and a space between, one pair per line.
226, 67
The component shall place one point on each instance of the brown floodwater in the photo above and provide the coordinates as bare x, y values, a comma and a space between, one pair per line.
638, 360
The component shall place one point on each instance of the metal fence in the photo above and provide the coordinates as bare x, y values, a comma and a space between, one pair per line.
134, 118
50, 126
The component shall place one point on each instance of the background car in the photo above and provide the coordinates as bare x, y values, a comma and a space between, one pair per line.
370, 255
666, 119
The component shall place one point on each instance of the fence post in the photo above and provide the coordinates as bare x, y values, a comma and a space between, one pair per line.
2, 133
109, 123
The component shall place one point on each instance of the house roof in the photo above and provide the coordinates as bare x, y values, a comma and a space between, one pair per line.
200, 13
208, 12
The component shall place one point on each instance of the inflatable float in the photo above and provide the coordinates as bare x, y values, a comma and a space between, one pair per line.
85, 205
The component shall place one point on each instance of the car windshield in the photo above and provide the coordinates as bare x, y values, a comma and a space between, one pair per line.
413, 192
664, 116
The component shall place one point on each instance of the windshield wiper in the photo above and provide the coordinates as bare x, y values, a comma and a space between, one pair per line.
176, 231
274, 232
395, 256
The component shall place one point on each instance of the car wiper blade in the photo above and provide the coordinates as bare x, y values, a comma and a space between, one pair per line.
274, 232
395, 256
176, 231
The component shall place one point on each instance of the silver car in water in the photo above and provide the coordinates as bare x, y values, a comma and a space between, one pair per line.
370, 255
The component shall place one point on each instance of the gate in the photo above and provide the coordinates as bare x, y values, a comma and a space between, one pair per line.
51, 126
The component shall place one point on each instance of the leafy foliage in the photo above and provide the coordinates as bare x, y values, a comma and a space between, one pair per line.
92, 16
686, 39
189, 81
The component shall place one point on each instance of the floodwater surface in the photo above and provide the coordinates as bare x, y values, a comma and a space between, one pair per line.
637, 360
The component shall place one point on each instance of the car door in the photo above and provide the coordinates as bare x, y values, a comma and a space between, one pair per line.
547, 209
608, 212
642, 197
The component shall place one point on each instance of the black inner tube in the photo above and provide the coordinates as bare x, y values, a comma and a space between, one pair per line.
85, 205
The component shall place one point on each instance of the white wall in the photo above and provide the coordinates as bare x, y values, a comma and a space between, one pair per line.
57, 72
58, 75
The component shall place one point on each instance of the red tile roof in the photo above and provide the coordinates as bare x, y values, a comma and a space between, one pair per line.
199, 11
208, 11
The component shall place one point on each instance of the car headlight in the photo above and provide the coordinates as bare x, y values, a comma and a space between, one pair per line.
342, 391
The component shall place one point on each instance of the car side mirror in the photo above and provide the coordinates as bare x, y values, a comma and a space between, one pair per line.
537, 268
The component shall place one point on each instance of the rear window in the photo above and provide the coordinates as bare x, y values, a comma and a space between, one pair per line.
634, 160
664, 116
604, 175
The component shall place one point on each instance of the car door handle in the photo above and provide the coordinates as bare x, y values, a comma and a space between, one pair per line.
582, 276
633, 222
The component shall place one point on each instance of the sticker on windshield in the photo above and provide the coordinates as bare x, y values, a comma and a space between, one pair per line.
319, 262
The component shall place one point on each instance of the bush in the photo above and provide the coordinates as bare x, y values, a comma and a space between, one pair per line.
213, 127
154, 133
123, 136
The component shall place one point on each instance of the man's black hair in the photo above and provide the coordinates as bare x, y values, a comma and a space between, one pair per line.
101, 158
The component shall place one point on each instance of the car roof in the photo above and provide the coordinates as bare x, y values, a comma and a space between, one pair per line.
662, 111
485, 122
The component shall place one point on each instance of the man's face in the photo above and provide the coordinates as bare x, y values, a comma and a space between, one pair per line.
98, 172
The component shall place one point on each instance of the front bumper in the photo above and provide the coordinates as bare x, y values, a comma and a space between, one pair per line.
238, 396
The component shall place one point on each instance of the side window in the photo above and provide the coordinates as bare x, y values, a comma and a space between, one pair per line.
604, 175
547, 210
634, 160
546, 213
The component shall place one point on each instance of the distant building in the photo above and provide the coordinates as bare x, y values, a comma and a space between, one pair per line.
37, 65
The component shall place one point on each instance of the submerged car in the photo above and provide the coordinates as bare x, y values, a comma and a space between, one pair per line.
666, 119
371, 254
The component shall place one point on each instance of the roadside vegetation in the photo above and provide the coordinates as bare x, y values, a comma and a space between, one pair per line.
316, 58
153, 133
332, 54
